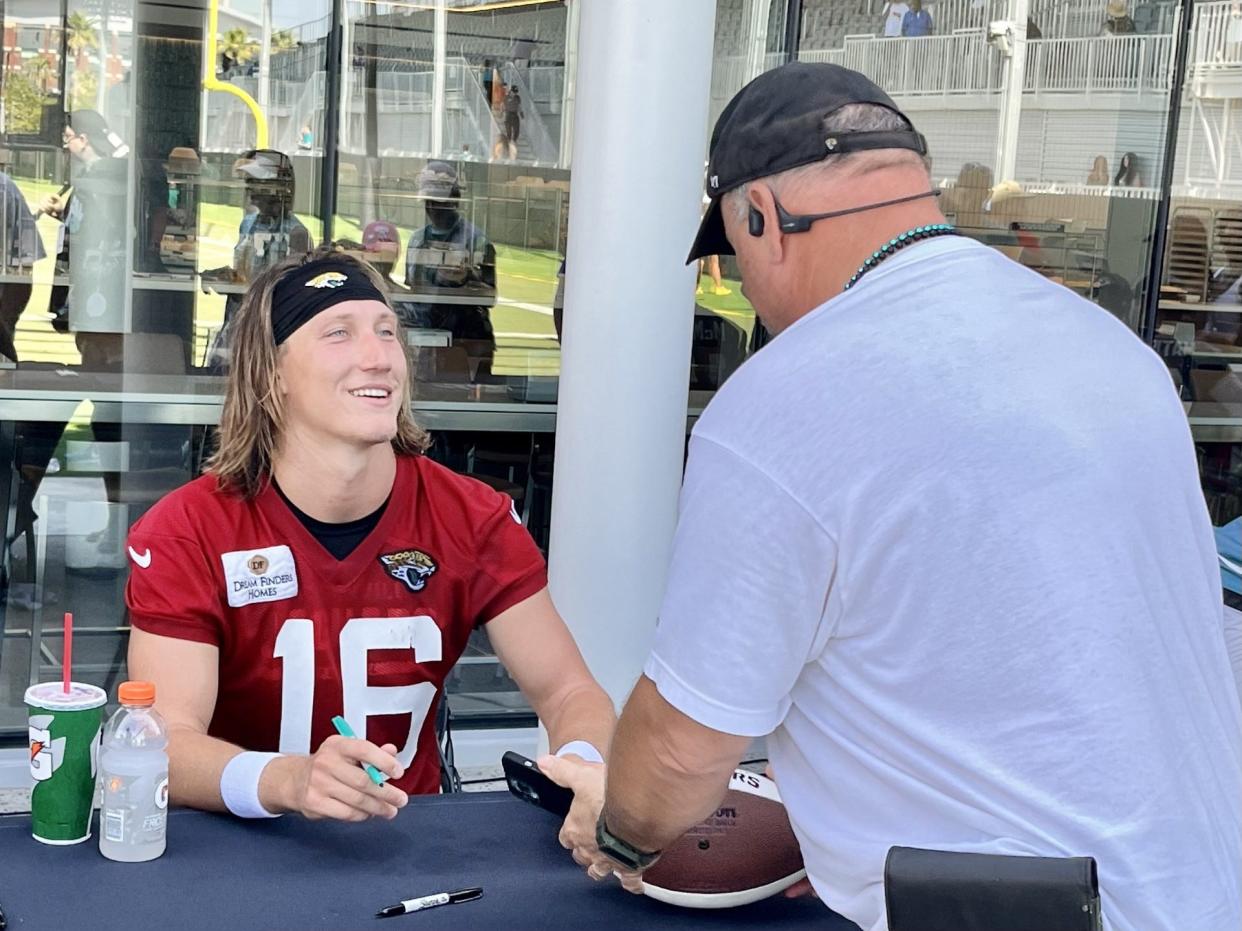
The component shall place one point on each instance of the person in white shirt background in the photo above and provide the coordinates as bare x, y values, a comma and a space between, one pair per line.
894, 14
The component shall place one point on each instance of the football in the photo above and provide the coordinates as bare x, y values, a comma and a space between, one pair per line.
744, 852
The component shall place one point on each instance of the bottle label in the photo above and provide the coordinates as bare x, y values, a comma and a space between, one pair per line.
135, 808
114, 825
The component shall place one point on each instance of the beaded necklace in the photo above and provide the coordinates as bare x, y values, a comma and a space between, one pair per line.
896, 244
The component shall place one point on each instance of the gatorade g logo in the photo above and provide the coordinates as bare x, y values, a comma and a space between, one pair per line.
161, 794
46, 754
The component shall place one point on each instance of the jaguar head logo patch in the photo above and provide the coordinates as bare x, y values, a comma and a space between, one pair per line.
413, 567
327, 280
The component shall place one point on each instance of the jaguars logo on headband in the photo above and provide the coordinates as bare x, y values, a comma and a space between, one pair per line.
413, 567
327, 280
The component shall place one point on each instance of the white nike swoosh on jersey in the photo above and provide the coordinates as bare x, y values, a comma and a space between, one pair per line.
143, 559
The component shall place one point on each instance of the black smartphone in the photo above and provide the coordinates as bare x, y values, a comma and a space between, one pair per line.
527, 782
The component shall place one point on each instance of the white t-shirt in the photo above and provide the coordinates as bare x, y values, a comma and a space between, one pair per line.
944, 538
894, 13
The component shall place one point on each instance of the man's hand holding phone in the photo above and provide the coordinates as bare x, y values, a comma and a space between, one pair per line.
578, 830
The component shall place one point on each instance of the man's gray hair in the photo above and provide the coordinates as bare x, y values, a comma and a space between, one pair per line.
852, 118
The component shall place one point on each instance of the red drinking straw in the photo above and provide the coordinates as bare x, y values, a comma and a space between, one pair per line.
68, 664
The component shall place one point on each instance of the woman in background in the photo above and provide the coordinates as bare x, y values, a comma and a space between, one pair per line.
1128, 172
1099, 171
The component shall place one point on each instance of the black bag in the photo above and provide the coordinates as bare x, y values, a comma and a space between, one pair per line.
935, 890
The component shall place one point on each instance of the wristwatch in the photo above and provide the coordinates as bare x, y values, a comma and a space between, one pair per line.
615, 848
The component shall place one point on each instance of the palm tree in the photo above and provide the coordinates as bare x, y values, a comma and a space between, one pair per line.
283, 41
81, 37
236, 48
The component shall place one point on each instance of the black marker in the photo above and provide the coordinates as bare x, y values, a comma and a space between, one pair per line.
430, 901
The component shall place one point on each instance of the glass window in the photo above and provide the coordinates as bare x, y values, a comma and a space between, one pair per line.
140, 200
1197, 326
1046, 137
452, 179
750, 38
434, 141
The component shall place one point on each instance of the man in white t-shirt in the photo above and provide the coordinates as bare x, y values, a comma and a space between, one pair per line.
943, 540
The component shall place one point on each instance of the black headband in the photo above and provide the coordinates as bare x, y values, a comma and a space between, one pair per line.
312, 288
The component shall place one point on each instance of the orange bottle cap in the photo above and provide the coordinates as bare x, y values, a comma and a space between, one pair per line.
137, 693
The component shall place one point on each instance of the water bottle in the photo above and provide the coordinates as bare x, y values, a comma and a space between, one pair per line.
133, 772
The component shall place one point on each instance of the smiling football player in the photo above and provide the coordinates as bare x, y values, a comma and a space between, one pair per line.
324, 567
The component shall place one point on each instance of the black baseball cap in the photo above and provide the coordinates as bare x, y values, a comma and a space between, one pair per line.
775, 123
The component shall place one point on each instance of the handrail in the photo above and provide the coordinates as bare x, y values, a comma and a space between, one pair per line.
1216, 36
964, 63
212, 83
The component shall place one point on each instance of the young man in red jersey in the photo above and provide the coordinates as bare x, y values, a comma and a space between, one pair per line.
324, 567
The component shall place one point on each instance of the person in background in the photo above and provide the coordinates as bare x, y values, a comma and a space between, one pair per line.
513, 117
917, 21
1229, 554
1117, 20
93, 247
503, 148
450, 257
487, 75
381, 243
712, 266
21, 248
93, 255
270, 230
967, 201
268, 233
1099, 171
558, 301
894, 14
1128, 174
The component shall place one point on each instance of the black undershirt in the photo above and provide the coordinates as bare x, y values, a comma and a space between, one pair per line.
338, 539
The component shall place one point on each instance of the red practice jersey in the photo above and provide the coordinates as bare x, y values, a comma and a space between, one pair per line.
304, 636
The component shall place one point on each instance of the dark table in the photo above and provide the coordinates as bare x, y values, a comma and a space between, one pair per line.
226, 874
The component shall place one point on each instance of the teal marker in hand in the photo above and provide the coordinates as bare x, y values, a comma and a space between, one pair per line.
343, 728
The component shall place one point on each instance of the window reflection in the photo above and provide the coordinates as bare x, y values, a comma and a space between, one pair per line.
448, 264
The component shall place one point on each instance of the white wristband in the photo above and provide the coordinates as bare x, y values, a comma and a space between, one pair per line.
584, 749
239, 784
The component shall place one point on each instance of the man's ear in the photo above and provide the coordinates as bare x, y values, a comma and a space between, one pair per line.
760, 200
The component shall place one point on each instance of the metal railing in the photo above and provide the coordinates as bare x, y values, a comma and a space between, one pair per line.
1216, 36
964, 63
729, 73
1108, 63
474, 126
950, 16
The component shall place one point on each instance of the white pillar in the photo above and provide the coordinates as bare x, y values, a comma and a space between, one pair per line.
265, 62
440, 44
568, 92
639, 141
757, 47
1011, 96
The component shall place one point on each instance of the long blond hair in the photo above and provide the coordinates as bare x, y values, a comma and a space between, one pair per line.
253, 416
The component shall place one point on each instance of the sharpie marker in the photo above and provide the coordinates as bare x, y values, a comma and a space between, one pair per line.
430, 901
343, 728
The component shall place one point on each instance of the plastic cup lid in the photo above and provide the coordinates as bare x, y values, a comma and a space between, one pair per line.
52, 696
